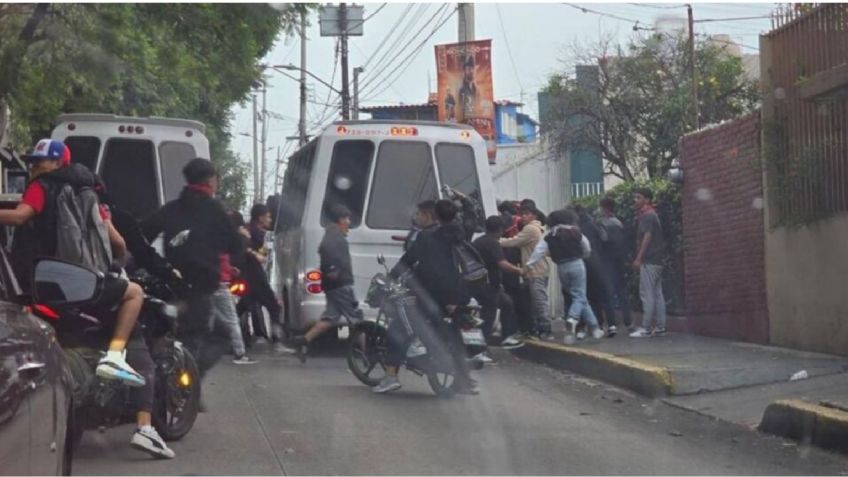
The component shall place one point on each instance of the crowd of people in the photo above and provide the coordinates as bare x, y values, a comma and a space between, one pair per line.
505, 270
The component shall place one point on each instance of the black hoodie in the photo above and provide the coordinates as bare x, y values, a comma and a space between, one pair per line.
210, 234
431, 257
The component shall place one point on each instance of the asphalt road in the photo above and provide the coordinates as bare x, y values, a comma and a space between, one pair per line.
281, 417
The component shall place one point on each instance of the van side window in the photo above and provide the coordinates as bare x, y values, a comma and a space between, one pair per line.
295, 187
129, 172
347, 181
84, 150
457, 169
404, 177
173, 156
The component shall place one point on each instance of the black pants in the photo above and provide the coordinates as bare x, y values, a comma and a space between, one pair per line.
197, 332
491, 299
616, 271
260, 295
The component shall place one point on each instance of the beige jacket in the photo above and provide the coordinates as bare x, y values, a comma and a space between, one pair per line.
527, 240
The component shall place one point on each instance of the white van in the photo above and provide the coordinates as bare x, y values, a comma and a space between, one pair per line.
139, 159
380, 170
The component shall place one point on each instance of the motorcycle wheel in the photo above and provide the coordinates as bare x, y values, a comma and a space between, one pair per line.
367, 346
177, 397
442, 384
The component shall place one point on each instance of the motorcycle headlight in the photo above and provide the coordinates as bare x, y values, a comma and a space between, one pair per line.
170, 311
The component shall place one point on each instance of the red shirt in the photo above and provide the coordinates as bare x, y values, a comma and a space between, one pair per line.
34, 196
226, 274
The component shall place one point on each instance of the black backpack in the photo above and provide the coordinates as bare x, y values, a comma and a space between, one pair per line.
469, 263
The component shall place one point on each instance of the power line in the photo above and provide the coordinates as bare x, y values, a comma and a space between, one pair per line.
509, 50
608, 15
358, 23
372, 80
731, 19
659, 7
412, 54
391, 32
386, 56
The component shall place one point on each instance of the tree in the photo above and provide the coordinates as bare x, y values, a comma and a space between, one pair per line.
640, 105
176, 60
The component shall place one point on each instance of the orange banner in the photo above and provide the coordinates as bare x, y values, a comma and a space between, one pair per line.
465, 88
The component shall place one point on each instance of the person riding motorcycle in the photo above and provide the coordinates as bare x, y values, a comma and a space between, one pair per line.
439, 290
51, 168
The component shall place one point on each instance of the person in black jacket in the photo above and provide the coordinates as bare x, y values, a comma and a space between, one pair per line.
197, 233
439, 290
598, 287
336, 279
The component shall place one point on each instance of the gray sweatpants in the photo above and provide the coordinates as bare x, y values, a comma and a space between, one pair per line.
539, 302
653, 301
225, 316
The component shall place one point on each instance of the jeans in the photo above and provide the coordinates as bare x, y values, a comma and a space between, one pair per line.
538, 287
226, 318
653, 301
572, 275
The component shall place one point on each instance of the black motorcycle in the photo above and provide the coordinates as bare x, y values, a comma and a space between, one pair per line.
368, 341
60, 290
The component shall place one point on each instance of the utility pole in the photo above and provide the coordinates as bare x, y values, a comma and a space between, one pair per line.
345, 79
695, 108
255, 153
356, 72
301, 125
264, 140
466, 22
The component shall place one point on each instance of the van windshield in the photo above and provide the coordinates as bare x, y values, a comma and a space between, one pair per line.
403, 178
129, 172
173, 156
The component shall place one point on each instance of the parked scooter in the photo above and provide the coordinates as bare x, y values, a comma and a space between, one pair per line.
60, 290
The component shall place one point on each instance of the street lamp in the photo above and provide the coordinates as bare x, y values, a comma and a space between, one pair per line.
291, 67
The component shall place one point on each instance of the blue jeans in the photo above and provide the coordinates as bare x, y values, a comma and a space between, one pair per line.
572, 275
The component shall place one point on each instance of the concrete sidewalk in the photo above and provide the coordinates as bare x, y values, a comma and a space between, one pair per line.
737, 382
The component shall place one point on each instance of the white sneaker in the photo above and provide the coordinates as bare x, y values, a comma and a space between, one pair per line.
114, 366
416, 349
581, 335
148, 440
387, 385
483, 358
640, 333
598, 333
511, 342
572, 325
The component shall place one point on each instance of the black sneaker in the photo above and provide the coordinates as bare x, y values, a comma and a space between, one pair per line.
301, 348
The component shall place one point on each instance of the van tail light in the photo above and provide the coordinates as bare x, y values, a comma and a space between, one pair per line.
404, 131
189, 133
121, 129
313, 276
45, 311
139, 130
71, 126
314, 288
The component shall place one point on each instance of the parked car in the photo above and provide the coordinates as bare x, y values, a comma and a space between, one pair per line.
35, 389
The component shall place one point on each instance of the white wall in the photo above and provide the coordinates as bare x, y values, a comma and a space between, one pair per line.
533, 171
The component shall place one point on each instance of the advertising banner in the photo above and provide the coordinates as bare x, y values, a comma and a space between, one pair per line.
465, 88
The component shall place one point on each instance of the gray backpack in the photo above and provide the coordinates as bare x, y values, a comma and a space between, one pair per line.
81, 234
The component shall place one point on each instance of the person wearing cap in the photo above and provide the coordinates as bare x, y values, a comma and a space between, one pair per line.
468, 90
336, 279
536, 275
50, 169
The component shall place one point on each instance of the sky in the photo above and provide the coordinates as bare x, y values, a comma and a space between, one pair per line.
530, 41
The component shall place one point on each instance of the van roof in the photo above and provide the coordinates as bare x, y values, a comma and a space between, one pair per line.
403, 123
112, 118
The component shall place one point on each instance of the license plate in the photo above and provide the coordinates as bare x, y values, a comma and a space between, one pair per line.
473, 337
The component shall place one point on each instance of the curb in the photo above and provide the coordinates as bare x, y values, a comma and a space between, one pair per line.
646, 379
808, 423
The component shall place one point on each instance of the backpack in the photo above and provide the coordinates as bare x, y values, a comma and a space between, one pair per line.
81, 234
469, 263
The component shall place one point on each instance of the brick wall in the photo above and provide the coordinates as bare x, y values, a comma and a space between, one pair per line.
724, 233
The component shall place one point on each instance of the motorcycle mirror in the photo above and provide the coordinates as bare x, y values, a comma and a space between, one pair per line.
58, 283
381, 259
